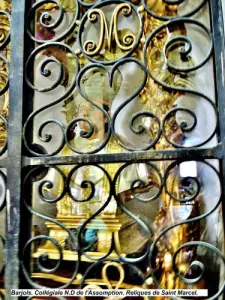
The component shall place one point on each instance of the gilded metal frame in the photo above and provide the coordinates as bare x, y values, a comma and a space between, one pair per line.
18, 160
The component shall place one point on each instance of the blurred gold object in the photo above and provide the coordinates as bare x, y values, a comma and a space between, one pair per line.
104, 225
94, 283
5, 5
119, 284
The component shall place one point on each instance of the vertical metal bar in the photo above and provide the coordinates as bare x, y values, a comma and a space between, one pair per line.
14, 146
219, 70
219, 62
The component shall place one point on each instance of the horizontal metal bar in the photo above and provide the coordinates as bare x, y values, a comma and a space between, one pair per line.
212, 153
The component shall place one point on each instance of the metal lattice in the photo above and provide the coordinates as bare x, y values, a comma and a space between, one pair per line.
88, 175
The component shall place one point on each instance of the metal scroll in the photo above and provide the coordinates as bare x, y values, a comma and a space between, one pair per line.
128, 79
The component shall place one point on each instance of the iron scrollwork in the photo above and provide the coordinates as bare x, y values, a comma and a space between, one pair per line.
46, 22
88, 197
189, 187
46, 73
180, 43
32, 176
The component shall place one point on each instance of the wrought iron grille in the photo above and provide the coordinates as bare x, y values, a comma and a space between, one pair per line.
115, 144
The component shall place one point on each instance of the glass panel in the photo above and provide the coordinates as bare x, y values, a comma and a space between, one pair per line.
167, 208
154, 89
